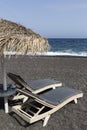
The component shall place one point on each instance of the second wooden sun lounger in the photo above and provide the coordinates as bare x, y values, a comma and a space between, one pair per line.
44, 105
35, 86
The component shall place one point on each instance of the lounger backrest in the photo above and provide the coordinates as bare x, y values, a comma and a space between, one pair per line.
19, 81
36, 97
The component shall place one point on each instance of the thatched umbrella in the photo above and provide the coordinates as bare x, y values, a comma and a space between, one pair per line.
17, 38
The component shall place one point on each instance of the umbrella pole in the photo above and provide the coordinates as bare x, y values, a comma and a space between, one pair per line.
4, 84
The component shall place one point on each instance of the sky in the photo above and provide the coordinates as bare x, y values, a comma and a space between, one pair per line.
50, 18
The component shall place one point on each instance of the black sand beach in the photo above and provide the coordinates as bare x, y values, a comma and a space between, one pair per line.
71, 71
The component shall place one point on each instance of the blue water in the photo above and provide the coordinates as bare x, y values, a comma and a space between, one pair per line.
70, 47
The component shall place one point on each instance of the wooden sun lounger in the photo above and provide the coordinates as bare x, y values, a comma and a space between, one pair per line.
35, 86
42, 106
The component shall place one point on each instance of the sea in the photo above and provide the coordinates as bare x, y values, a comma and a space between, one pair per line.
63, 47
67, 47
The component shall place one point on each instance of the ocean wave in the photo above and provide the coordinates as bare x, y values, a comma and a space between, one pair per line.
66, 53
59, 53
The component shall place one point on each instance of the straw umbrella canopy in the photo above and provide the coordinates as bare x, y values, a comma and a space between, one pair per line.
18, 39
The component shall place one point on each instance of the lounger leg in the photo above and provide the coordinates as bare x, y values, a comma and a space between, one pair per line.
75, 100
54, 87
25, 99
46, 120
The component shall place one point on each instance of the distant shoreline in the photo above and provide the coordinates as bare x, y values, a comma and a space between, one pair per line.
61, 56
48, 54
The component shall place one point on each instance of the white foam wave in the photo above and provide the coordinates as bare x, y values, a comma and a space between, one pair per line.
69, 53
59, 53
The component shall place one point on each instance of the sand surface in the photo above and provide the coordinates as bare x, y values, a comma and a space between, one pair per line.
71, 71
